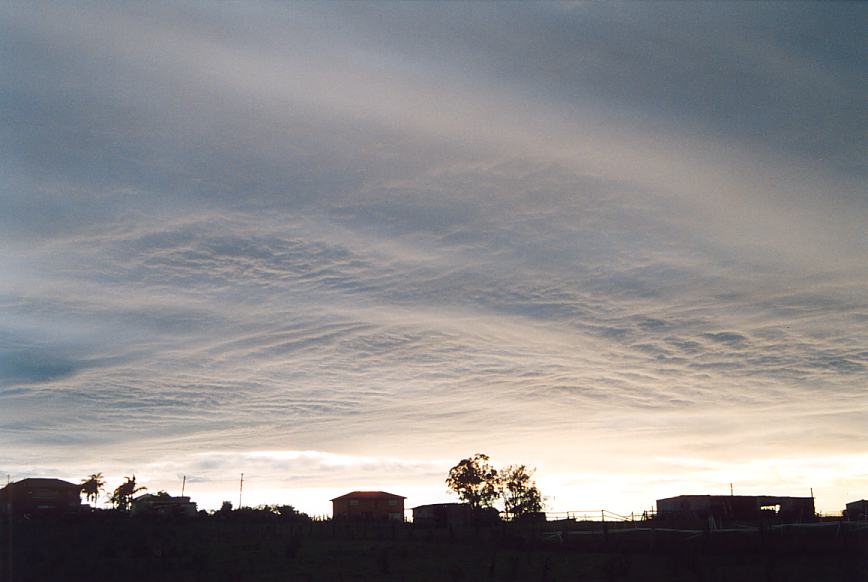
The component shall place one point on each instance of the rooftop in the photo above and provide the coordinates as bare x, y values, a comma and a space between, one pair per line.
43, 482
735, 497
448, 504
369, 495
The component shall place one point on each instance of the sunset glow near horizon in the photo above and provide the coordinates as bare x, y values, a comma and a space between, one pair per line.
341, 246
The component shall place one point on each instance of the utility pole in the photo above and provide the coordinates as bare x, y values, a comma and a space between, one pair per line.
183, 485
240, 489
9, 539
730, 490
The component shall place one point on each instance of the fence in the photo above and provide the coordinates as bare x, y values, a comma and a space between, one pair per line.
599, 515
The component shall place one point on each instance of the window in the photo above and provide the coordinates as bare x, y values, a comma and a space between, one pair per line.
771, 508
393, 502
354, 501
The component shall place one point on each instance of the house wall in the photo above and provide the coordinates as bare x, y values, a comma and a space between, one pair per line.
23, 497
369, 508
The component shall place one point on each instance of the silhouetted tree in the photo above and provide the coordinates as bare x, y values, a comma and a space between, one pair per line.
122, 497
474, 480
92, 486
520, 495
285, 512
264, 513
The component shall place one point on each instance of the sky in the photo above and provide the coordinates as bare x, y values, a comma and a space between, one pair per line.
343, 246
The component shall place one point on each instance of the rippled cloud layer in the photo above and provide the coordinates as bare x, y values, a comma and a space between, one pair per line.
344, 245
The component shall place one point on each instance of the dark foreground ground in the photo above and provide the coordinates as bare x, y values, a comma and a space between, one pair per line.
117, 547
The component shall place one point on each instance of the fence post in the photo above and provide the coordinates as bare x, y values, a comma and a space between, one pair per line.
605, 529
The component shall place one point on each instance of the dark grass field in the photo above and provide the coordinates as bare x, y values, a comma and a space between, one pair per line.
118, 547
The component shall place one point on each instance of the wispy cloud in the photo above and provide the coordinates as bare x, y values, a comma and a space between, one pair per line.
354, 236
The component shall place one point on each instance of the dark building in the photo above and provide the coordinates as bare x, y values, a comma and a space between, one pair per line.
857, 510
375, 505
40, 496
443, 515
163, 504
727, 508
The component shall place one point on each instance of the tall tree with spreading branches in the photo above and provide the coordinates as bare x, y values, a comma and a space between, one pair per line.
475, 481
519, 493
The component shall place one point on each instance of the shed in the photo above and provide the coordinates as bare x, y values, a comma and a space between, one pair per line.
443, 515
857, 510
751, 508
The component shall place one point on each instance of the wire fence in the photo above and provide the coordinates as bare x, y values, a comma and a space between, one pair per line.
601, 515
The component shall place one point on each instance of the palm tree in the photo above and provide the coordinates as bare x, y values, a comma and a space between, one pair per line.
122, 497
92, 486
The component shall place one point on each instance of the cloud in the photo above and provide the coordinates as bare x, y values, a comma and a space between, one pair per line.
352, 244
24, 367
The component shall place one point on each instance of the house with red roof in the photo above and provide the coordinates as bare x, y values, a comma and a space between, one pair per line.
369, 505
